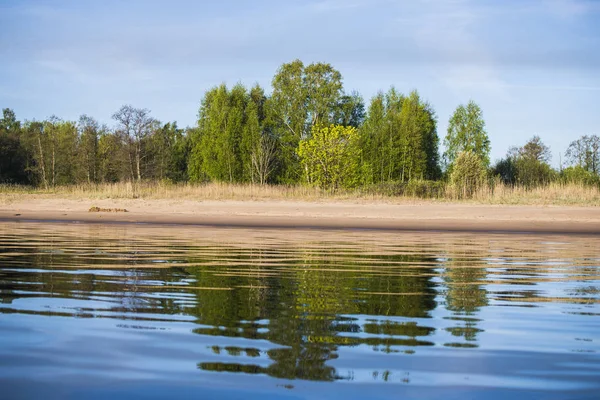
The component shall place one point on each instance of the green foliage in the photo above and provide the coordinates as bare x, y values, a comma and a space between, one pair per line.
323, 86
64, 167
468, 174
168, 149
303, 97
527, 166
399, 139
350, 110
535, 149
289, 115
221, 120
112, 162
195, 170
585, 152
531, 172
331, 157
418, 139
246, 136
373, 143
425, 189
466, 133
505, 170
53, 145
87, 151
13, 155
252, 134
231, 132
579, 175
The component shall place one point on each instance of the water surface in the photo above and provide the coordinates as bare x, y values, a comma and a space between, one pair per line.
130, 311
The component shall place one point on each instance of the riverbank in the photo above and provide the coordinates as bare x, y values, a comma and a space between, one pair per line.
360, 214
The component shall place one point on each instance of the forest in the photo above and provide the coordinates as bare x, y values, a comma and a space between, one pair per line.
308, 131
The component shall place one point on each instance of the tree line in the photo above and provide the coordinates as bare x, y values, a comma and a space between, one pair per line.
308, 130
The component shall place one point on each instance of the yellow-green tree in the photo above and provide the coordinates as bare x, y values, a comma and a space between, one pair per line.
331, 157
468, 173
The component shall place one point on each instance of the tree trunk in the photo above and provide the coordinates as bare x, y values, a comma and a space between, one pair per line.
44, 180
53, 162
138, 155
132, 174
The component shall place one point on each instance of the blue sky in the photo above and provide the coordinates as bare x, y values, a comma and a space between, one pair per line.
532, 65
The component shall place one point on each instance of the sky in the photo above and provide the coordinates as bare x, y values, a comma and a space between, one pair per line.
533, 66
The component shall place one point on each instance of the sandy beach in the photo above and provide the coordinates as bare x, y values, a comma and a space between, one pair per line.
325, 215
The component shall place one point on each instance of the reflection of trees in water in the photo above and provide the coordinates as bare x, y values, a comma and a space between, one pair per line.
464, 276
307, 302
304, 303
307, 307
53, 266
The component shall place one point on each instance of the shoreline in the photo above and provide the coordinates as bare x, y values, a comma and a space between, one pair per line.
444, 217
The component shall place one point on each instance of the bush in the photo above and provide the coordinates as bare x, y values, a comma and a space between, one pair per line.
468, 174
416, 188
532, 173
506, 171
425, 189
579, 175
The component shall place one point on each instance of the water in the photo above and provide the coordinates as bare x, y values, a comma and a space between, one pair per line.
126, 311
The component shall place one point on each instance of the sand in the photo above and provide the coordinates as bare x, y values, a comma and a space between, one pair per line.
326, 215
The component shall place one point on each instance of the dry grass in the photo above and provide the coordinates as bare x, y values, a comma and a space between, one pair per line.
553, 194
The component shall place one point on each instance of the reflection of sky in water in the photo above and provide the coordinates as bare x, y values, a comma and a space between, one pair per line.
202, 306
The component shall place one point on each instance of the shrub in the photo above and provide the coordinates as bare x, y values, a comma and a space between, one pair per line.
468, 174
415, 188
531, 172
505, 170
579, 175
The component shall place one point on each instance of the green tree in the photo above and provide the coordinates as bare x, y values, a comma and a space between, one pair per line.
166, 145
331, 157
505, 170
113, 160
212, 125
253, 132
466, 132
535, 149
53, 145
289, 114
323, 85
579, 175
372, 141
88, 157
180, 156
195, 170
418, 140
36, 141
303, 97
468, 174
531, 172
531, 163
585, 152
221, 127
13, 155
399, 139
350, 110
382, 138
